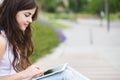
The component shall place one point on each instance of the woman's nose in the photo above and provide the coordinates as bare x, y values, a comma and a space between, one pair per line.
30, 20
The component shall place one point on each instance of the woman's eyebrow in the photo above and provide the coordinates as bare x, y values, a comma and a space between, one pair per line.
28, 13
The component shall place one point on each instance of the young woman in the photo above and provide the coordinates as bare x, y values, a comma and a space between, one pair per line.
15, 39
16, 44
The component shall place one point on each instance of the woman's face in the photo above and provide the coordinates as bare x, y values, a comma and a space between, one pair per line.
24, 18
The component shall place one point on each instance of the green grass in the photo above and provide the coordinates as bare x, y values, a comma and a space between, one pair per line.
45, 40
51, 17
55, 16
69, 16
61, 26
113, 16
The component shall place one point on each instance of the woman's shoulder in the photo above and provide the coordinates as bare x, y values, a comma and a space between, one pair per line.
2, 39
2, 46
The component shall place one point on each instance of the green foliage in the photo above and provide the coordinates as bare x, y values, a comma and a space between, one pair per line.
78, 5
89, 6
95, 6
48, 5
52, 5
114, 6
45, 39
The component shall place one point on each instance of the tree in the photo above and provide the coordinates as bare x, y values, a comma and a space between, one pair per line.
95, 6
78, 5
114, 6
47, 5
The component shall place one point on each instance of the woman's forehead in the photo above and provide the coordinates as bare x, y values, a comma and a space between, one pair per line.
32, 11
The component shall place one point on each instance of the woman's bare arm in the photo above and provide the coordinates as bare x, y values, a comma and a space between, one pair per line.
17, 76
31, 72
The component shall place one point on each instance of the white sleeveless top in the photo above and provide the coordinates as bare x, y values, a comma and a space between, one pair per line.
6, 67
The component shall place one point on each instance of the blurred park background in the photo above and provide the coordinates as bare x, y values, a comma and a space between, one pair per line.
83, 33
52, 12
87, 36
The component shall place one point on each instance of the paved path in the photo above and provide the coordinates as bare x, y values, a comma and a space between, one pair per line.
89, 48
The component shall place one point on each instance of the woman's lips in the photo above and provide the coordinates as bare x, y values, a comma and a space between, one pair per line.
26, 25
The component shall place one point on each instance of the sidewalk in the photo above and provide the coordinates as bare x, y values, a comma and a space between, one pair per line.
89, 48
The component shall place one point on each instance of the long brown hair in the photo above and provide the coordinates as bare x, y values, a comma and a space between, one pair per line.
21, 42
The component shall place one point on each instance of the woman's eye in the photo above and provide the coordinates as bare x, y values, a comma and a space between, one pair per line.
27, 15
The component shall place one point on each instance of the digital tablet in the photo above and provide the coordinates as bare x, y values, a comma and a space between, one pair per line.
53, 70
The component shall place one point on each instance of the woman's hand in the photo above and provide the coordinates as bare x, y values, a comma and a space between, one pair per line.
33, 71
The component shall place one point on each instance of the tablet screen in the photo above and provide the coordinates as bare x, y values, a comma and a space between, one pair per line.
48, 71
55, 69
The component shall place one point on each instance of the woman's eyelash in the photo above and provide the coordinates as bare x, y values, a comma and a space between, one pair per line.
27, 15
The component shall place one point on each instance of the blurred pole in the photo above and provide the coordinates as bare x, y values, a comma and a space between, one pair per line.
76, 6
76, 9
101, 14
108, 14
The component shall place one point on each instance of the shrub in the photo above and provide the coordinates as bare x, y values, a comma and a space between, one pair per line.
45, 39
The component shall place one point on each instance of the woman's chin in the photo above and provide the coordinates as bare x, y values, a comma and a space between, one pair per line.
23, 29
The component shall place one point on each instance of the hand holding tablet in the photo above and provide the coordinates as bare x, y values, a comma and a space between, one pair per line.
53, 70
